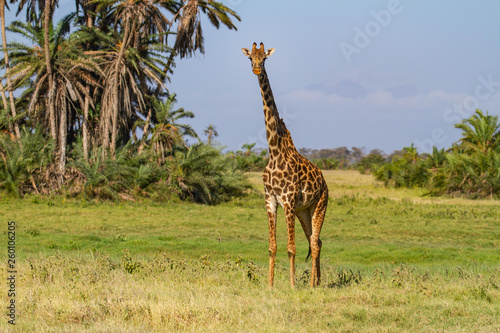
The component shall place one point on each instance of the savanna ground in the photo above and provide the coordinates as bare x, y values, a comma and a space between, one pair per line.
392, 261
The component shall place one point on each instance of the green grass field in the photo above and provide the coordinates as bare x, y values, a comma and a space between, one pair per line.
392, 261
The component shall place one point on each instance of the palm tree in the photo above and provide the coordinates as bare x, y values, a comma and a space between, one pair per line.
34, 8
89, 15
44, 9
480, 133
127, 75
7, 68
28, 65
4, 116
164, 110
167, 132
47, 14
125, 17
72, 71
132, 22
23, 164
437, 158
205, 175
189, 37
210, 132
132, 53
89, 11
410, 154
248, 148
138, 25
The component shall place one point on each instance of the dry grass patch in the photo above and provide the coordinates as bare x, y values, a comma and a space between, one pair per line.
97, 294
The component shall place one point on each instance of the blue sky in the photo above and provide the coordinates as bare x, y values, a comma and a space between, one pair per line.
420, 67
373, 74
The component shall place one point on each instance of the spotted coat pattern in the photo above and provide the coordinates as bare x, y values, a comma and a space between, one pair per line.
290, 180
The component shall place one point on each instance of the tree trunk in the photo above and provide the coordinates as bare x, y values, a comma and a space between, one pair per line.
63, 137
85, 128
50, 102
88, 13
51, 93
145, 131
116, 88
105, 130
5, 105
7, 68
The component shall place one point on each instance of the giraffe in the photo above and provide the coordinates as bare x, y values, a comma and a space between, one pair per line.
290, 180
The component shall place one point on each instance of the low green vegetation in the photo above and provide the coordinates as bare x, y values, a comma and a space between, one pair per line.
199, 173
392, 260
470, 168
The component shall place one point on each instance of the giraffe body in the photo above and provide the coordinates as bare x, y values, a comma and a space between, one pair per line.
290, 180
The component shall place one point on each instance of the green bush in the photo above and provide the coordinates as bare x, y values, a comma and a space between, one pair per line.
407, 170
200, 173
329, 163
249, 159
25, 164
475, 175
470, 168
206, 175
370, 162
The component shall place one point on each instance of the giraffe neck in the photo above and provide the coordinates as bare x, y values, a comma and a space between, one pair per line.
275, 128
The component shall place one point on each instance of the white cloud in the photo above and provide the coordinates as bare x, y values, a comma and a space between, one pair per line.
381, 99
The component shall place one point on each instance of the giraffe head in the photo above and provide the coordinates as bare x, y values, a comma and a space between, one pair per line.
257, 57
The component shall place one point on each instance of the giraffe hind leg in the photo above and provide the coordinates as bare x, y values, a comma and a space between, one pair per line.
318, 217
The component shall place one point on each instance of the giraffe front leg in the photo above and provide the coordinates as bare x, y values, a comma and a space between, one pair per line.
271, 216
290, 226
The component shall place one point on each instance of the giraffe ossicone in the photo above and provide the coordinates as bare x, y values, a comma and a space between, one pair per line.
290, 180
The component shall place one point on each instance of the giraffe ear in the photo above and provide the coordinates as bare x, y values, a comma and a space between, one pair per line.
246, 52
269, 52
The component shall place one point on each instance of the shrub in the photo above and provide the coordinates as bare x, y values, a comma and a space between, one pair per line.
25, 164
471, 167
407, 170
474, 175
371, 162
205, 175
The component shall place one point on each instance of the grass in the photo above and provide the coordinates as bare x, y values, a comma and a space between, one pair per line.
393, 260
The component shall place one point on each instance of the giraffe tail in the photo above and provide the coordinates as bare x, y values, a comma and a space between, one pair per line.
309, 254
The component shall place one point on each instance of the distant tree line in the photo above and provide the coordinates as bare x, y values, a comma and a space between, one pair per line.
338, 158
341, 158
471, 167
